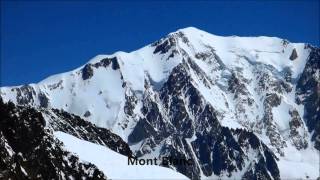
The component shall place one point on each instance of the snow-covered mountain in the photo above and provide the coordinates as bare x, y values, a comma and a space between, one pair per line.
239, 107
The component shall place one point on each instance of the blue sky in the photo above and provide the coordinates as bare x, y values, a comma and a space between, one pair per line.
39, 39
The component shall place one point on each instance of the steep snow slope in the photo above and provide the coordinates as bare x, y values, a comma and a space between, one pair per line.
188, 84
113, 163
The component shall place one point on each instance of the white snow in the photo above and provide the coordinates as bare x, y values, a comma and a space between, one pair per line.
104, 95
299, 164
266, 50
281, 116
113, 164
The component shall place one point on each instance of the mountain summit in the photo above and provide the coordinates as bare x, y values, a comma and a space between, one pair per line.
238, 107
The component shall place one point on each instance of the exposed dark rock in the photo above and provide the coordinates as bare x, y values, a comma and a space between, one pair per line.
287, 73
296, 126
56, 85
294, 55
87, 72
28, 150
115, 64
25, 95
169, 42
74, 125
87, 114
164, 45
272, 100
308, 93
142, 130
285, 42
131, 101
236, 86
43, 99
202, 55
104, 62
265, 165
211, 58
200, 73
172, 148
183, 37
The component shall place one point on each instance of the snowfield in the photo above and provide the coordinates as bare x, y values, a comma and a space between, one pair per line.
114, 165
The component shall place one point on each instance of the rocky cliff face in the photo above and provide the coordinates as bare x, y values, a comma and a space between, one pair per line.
60, 120
187, 128
308, 94
29, 150
238, 107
